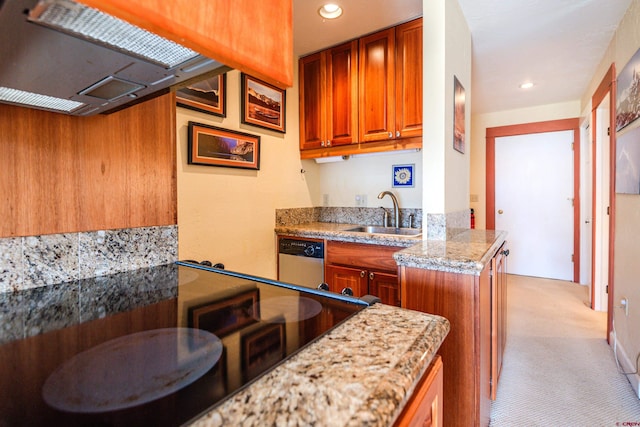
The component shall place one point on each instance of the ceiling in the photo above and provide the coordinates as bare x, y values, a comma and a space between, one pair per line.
556, 44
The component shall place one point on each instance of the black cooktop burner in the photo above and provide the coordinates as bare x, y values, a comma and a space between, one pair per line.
157, 346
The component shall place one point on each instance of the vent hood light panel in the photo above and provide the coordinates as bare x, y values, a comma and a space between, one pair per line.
89, 61
93, 25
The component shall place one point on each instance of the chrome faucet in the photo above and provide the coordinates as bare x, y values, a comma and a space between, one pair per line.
385, 218
396, 208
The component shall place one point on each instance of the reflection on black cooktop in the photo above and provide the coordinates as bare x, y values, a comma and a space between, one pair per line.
160, 360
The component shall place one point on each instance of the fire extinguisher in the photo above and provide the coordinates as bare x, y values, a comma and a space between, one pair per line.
473, 219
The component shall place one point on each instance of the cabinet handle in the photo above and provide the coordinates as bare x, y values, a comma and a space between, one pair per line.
322, 143
397, 134
505, 252
371, 276
390, 134
329, 143
362, 273
347, 291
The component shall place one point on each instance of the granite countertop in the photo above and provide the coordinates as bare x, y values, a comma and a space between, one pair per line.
338, 232
360, 373
467, 252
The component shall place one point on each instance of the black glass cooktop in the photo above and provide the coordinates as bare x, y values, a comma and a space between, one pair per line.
157, 346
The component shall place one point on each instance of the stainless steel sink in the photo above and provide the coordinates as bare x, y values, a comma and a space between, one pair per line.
376, 229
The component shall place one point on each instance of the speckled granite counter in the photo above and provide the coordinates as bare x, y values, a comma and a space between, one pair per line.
360, 373
466, 253
337, 231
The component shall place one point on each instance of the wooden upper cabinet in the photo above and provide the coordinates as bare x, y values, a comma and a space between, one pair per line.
409, 79
342, 91
312, 101
377, 86
363, 96
328, 96
391, 83
253, 37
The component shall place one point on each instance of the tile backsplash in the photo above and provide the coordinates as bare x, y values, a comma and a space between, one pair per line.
36, 261
346, 215
437, 226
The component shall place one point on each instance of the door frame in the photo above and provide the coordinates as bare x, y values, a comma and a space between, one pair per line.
525, 129
606, 87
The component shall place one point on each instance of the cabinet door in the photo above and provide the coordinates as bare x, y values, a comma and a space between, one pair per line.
311, 80
339, 278
424, 408
342, 94
377, 86
409, 79
385, 286
498, 316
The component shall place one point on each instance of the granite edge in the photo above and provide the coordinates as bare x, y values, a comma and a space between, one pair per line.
394, 388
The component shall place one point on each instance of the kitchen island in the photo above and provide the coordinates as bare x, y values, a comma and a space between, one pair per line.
462, 279
249, 351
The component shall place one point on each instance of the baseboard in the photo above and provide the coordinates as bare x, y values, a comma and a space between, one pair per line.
626, 364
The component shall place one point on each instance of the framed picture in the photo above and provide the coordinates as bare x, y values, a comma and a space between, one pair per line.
458, 116
627, 96
628, 162
222, 317
403, 175
208, 96
263, 105
214, 146
262, 348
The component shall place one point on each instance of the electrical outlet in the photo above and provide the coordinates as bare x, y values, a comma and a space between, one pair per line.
361, 200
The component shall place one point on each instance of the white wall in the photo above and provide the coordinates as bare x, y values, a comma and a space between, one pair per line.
228, 215
627, 215
368, 175
447, 45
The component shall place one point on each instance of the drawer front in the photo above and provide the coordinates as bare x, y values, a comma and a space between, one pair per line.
379, 258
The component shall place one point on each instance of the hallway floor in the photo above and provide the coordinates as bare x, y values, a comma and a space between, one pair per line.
558, 369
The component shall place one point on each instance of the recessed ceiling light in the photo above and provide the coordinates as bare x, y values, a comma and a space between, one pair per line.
527, 85
330, 11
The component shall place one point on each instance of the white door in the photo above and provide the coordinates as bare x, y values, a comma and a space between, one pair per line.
601, 180
534, 202
586, 206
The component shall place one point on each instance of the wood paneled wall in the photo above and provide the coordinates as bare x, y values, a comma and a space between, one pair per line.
61, 174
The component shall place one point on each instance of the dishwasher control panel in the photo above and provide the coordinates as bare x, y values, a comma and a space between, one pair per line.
304, 248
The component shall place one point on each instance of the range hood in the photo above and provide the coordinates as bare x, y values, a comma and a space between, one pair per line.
62, 56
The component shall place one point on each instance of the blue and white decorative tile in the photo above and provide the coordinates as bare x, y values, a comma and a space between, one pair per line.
403, 175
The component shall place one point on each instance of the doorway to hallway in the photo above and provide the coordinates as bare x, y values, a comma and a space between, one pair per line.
570, 129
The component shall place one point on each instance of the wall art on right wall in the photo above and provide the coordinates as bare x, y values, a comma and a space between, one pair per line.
628, 162
628, 93
458, 115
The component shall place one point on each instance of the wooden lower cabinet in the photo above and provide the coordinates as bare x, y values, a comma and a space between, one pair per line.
365, 269
424, 407
476, 340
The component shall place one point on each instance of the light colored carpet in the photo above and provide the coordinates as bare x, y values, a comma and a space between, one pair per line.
558, 369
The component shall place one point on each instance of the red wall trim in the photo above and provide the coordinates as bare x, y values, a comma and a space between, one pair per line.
606, 87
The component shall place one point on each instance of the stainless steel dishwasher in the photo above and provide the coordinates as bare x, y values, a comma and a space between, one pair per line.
301, 262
